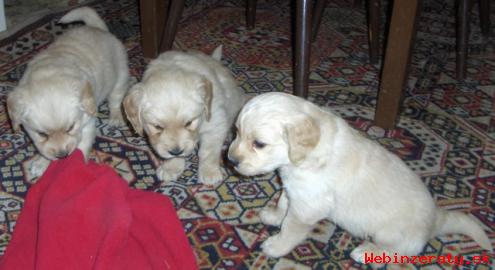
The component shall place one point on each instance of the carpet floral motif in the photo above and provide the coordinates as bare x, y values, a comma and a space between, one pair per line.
446, 132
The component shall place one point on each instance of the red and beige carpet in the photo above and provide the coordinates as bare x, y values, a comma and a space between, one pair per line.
446, 131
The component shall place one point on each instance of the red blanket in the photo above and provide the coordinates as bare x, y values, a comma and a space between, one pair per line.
84, 216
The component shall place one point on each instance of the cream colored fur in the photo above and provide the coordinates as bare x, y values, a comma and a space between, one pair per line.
56, 100
186, 98
329, 170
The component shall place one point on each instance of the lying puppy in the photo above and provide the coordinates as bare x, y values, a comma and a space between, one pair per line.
56, 100
329, 170
185, 97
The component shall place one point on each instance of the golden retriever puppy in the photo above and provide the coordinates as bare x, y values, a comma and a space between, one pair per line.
185, 98
57, 97
329, 170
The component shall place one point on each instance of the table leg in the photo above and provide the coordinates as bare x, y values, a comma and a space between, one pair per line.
302, 47
174, 15
152, 15
462, 38
250, 13
395, 67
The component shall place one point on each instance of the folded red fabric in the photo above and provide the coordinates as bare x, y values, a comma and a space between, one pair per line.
84, 216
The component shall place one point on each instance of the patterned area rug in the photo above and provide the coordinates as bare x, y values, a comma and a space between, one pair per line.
446, 132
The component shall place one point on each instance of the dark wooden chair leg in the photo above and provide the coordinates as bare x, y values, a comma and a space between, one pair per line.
174, 15
250, 13
462, 38
396, 63
303, 46
152, 15
484, 6
358, 3
318, 13
374, 30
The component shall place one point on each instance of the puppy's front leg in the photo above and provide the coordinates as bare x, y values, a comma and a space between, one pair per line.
116, 96
273, 215
292, 233
171, 169
209, 157
87, 138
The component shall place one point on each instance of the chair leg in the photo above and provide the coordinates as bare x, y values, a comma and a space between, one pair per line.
396, 64
174, 15
303, 46
319, 8
374, 30
484, 6
358, 3
250, 13
152, 16
462, 38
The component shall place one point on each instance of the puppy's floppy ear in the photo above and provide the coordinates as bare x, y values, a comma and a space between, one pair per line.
88, 100
208, 96
302, 136
16, 108
131, 107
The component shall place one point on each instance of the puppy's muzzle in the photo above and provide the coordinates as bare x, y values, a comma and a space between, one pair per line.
61, 154
234, 161
176, 151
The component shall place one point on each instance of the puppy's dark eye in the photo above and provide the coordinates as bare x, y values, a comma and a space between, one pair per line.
42, 134
259, 145
71, 127
158, 127
188, 123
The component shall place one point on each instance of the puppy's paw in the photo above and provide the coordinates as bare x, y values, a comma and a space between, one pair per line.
271, 216
37, 167
210, 175
275, 246
170, 170
366, 249
116, 119
358, 253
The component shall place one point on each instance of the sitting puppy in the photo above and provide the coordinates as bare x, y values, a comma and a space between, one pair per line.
56, 100
329, 170
185, 97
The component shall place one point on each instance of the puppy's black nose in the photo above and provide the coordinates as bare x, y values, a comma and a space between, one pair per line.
234, 161
176, 151
61, 154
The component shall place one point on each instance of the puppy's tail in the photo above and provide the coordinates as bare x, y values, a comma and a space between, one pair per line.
86, 15
457, 222
217, 53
